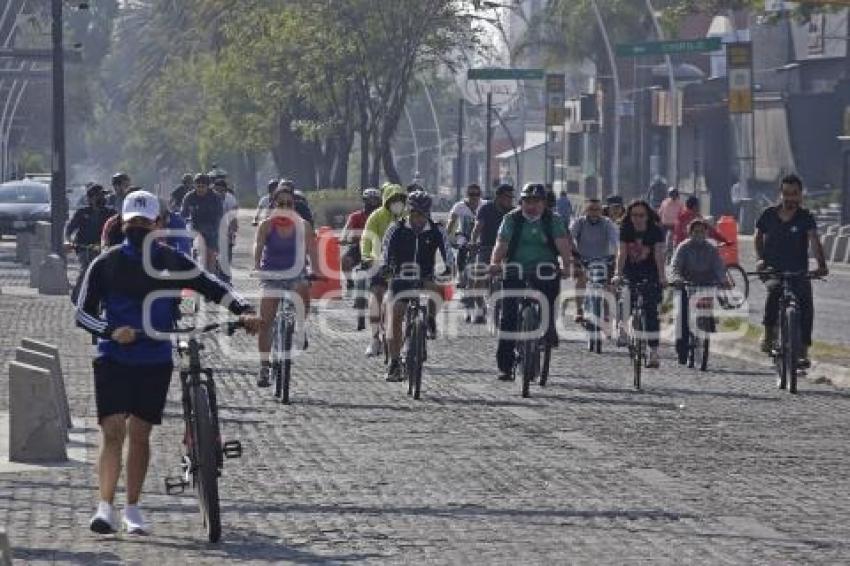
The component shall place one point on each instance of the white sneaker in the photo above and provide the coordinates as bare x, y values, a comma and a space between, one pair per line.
374, 348
105, 519
134, 523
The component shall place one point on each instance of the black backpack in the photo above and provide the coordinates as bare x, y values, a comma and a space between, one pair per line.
518, 220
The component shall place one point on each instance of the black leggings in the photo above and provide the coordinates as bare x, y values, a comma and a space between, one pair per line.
651, 293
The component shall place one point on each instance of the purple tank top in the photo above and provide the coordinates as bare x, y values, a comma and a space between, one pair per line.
279, 251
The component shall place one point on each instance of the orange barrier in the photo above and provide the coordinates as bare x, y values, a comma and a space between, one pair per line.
327, 246
728, 228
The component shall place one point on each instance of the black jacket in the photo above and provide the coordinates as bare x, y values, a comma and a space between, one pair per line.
87, 224
407, 253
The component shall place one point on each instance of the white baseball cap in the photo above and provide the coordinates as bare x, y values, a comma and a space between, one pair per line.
140, 203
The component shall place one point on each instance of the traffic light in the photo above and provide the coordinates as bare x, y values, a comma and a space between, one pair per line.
589, 108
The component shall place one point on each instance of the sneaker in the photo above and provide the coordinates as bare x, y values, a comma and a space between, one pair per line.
394, 371
804, 363
374, 348
768, 341
105, 520
480, 319
134, 523
506, 376
263, 377
654, 362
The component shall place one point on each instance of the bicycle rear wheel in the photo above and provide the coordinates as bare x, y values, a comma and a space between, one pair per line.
206, 473
793, 347
530, 349
638, 348
544, 370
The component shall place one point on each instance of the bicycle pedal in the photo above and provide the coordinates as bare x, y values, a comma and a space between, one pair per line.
232, 449
175, 485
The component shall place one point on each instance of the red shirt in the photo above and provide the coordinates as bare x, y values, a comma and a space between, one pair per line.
680, 232
357, 223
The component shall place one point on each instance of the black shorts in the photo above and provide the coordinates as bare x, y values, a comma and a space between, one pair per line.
133, 390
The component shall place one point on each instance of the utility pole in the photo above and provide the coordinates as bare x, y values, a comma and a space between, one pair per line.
674, 104
615, 72
489, 148
58, 198
459, 174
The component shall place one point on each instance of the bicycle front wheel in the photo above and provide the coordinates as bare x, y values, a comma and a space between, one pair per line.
286, 374
530, 349
419, 345
739, 287
206, 472
793, 347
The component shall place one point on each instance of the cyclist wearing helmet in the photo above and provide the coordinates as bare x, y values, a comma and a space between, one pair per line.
392, 209
120, 188
530, 241
203, 209
354, 226
302, 207
263, 207
84, 229
410, 249
461, 222
179, 193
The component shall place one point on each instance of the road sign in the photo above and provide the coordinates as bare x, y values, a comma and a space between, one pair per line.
669, 47
739, 62
556, 110
499, 74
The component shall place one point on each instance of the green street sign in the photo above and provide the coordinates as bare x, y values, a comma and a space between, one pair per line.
497, 74
669, 47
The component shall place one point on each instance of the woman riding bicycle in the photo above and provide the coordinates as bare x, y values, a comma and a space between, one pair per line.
282, 245
640, 260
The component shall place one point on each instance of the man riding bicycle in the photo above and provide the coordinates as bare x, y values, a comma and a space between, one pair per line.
461, 222
203, 209
640, 259
354, 226
410, 249
696, 262
84, 229
530, 241
486, 231
371, 242
132, 371
784, 234
594, 237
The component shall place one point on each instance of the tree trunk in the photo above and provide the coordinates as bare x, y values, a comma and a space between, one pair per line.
375, 172
364, 147
339, 178
388, 161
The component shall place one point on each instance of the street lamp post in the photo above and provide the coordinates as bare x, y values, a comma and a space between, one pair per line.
674, 103
615, 72
58, 198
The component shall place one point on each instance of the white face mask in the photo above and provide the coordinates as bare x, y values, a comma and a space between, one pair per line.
532, 218
397, 208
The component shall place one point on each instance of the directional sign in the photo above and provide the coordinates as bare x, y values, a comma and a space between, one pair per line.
497, 74
669, 47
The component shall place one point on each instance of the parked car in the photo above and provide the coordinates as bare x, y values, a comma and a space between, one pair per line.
22, 204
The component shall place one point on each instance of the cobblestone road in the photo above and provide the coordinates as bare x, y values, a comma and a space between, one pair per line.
718, 468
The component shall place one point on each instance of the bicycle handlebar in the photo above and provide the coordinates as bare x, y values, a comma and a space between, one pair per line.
784, 274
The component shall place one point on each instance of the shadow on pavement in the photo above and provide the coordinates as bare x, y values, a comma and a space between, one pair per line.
55, 556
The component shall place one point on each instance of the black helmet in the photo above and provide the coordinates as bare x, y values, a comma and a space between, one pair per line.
119, 178
419, 201
94, 190
201, 179
220, 183
371, 194
533, 190
272, 185
505, 189
414, 188
287, 182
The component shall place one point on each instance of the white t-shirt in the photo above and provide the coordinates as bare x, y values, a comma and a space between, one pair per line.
465, 216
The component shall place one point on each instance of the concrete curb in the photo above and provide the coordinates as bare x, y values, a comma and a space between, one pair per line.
820, 372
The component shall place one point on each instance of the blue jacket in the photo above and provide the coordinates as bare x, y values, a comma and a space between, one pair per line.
117, 285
